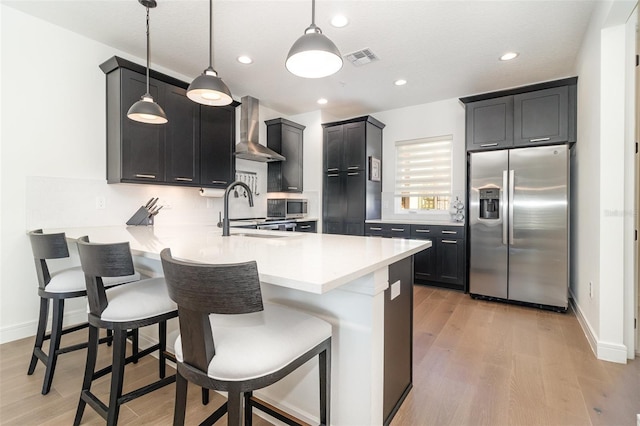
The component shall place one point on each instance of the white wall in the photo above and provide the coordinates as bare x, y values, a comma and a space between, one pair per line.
599, 270
53, 158
433, 119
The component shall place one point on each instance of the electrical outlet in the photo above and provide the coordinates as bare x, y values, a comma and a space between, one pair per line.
101, 203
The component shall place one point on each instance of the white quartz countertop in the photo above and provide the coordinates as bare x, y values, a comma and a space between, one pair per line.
315, 263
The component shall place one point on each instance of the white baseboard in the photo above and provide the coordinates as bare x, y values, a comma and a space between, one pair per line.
604, 351
28, 329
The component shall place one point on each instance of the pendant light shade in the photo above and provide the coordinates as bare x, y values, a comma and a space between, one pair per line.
313, 55
146, 110
208, 88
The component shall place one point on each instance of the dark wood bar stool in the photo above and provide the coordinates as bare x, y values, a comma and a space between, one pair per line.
126, 307
57, 287
254, 347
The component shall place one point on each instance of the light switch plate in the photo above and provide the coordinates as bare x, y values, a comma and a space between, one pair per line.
395, 289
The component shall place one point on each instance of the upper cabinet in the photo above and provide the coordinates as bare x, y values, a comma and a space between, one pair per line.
195, 148
540, 114
217, 145
490, 123
285, 137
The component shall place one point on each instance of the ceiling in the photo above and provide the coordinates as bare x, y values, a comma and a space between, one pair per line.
444, 49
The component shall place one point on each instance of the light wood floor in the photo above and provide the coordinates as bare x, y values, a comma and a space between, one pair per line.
475, 363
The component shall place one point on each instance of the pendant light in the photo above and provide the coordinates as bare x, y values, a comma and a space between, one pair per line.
208, 88
313, 55
146, 110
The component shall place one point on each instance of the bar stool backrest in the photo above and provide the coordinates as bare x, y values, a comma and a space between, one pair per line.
47, 246
202, 289
102, 260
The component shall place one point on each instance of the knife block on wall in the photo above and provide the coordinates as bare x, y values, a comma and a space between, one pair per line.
141, 218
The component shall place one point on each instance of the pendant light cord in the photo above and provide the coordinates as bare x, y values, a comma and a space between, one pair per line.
211, 33
148, 93
313, 13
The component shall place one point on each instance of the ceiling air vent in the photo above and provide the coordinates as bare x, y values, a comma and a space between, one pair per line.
361, 57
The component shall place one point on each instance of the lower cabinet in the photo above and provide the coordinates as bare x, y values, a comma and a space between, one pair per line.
309, 226
442, 265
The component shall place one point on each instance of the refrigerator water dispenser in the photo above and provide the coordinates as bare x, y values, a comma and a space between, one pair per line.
490, 203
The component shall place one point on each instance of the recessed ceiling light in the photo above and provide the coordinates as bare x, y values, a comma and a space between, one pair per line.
509, 56
244, 59
322, 101
400, 82
339, 21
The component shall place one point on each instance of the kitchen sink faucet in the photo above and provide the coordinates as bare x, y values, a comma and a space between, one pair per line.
225, 220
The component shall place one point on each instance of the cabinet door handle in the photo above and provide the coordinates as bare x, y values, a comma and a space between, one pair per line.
181, 179
333, 175
353, 167
423, 230
449, 232
219, 181
484, 145
333, 170
449, 242
353, 174
305, 226
146, 176
539, 140
375, 229
397, 229
292, 187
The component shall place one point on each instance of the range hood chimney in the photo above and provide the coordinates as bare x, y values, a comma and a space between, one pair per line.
249, 148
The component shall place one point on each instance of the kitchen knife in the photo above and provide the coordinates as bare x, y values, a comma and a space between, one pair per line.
146, 206
153, 203
155, 212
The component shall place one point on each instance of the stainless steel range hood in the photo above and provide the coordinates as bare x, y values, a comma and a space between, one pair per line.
249, 148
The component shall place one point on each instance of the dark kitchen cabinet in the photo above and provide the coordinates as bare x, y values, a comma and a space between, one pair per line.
310, 226
490, 123
217, 145
182, 137
541, 117
444, 264
540, 114
349, 196
195, 148
388, 230
136, 150
285, 137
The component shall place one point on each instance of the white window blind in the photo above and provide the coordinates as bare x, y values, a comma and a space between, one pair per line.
423, 168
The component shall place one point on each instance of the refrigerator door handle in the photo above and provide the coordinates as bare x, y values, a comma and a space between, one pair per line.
504, 207
511, 192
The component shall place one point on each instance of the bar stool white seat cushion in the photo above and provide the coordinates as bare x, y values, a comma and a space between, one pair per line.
253, 345
72, 279
138, 300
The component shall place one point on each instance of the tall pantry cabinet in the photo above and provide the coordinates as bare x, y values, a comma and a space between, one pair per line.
352, 191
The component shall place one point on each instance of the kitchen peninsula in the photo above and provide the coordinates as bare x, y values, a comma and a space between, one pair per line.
362, 286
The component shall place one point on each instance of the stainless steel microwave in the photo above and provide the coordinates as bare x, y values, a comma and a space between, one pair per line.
287, 207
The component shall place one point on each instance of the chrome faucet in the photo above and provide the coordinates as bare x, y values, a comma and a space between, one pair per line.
225, 220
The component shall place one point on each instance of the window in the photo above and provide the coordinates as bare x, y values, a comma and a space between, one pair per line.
423, 173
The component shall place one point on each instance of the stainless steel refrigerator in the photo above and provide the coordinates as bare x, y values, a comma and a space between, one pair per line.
519, 225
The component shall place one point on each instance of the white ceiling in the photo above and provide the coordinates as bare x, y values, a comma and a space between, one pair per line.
444, 49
